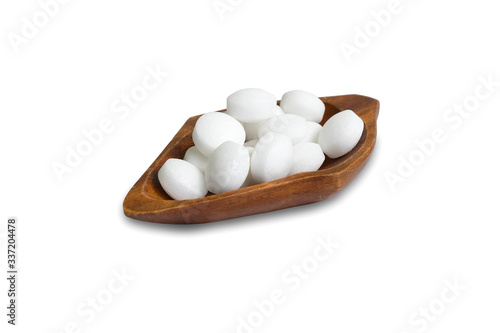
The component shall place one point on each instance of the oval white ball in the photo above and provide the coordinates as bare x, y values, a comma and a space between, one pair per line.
182, 180
213, 129
304, 104
196, 158
227, 168
251, 105
272, 157
307, 156
341, 133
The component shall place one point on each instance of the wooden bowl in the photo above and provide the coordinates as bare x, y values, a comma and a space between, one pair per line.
147, 201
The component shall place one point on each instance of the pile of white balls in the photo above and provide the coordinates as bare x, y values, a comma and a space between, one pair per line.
256, 141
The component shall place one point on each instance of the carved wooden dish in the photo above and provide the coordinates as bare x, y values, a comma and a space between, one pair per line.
147, 201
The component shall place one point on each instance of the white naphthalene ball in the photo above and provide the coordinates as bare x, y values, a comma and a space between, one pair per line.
313, 130
341, 133
227, 168
251, 105
290, 125
213, 129
272, 157
304, 104
307, 156
195, 157
182, 180
252, 129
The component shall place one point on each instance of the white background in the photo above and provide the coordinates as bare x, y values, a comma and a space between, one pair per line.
397, 247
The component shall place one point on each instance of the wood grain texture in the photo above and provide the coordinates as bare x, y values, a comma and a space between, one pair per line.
147, 201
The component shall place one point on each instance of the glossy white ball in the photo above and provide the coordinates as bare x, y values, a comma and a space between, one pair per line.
251, 105
307, 156
313, 130
213, 129
341, 133
304, 104
227, 168
252, 129
272, 157
182, 180
195, 157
